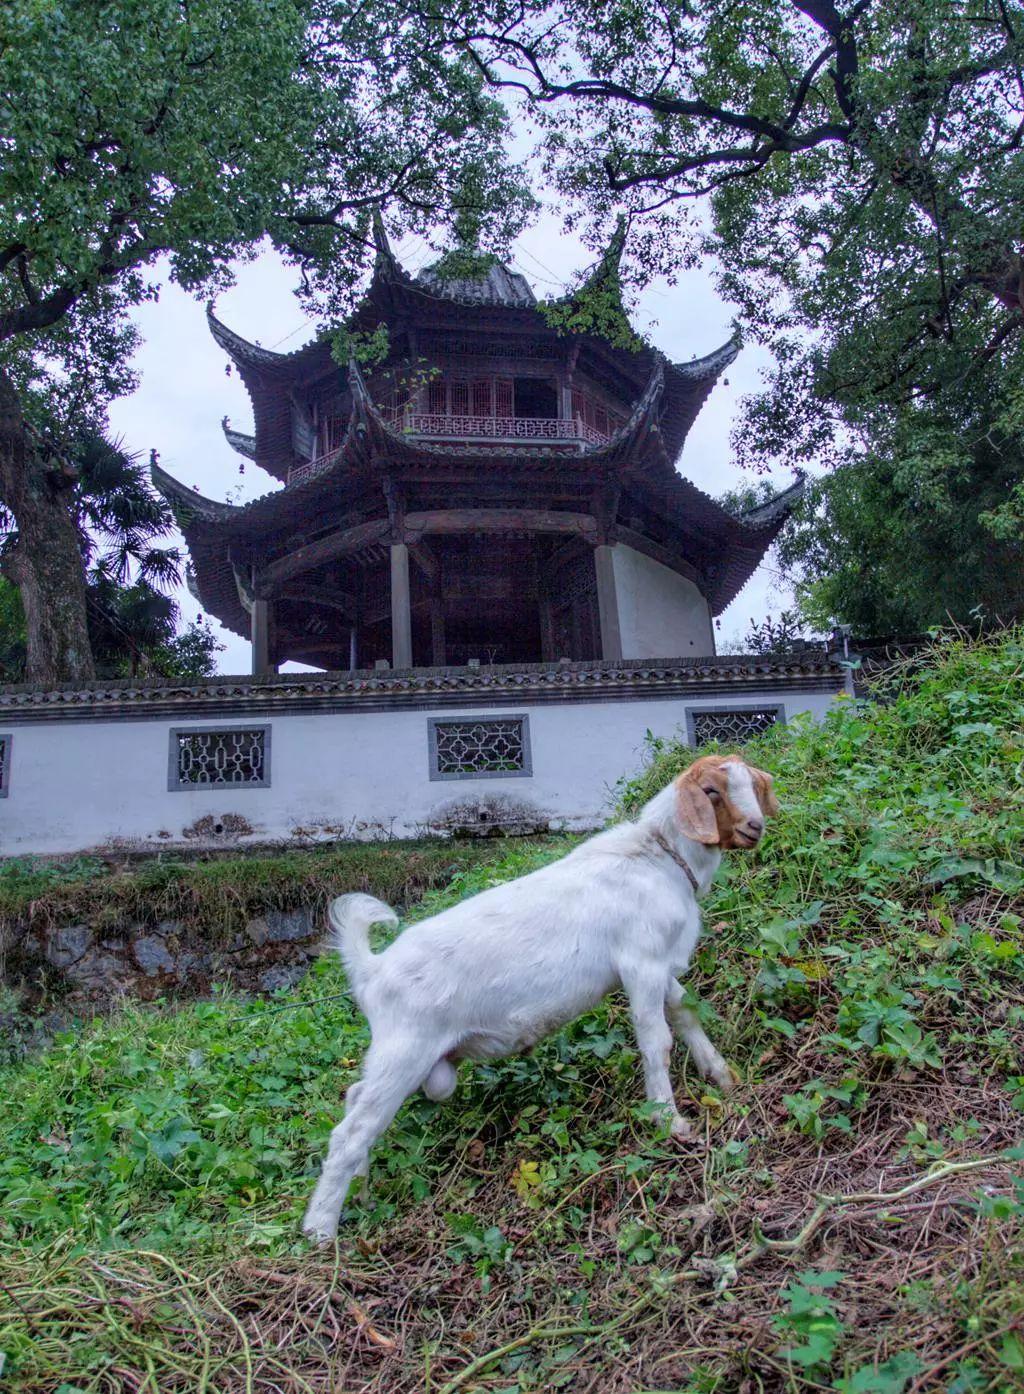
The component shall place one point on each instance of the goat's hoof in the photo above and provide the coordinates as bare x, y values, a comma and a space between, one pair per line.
320, 1231
680, 1127
724, 1078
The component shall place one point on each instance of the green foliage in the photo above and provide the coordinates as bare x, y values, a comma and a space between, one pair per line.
212, 126
776, 637
900, 540
121, 522
12, 633
595, 308
867, 958
810, 1320
853, 172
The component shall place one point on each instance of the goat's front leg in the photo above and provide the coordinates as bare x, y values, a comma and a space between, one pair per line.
645, 987
686, 1024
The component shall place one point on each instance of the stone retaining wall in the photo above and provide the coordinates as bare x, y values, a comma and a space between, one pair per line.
149, 960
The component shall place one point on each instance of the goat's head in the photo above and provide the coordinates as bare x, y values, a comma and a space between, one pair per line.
724, 802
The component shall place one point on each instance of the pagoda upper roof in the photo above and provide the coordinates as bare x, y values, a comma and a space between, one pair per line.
271, 379
446, 298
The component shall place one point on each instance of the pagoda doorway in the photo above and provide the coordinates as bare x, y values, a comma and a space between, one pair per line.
496, 599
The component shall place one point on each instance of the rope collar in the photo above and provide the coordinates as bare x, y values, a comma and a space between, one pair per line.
683, 865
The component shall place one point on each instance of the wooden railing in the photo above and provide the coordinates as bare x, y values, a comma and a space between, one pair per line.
311, 467
519, 428
539, 429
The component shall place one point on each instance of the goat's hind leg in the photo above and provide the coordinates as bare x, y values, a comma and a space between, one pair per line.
390, 1075
686, 1024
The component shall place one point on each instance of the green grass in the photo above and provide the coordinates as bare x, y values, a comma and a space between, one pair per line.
852, 1220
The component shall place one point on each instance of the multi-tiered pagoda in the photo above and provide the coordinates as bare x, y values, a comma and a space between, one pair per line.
496, 489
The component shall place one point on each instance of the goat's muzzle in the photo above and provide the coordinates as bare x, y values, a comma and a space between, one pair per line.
749, 833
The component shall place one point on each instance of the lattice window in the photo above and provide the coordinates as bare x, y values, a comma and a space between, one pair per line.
437, 396
503, 396
479, 747
482, 403
220, 757
5, 765
731, 725
576, 578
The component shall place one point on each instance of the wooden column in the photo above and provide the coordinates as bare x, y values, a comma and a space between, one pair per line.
437, 639
260, 618
545, 609
401, 607
607, 602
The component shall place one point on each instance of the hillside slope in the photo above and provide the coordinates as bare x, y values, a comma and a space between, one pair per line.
851, 1219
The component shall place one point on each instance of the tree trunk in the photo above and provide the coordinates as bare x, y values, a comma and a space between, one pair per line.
46, 561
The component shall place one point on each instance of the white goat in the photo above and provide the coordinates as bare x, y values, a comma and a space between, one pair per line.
495, 974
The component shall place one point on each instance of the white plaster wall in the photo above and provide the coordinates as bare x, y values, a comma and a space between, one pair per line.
83, 784
661, 614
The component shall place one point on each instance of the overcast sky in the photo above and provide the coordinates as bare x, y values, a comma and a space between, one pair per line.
184, 391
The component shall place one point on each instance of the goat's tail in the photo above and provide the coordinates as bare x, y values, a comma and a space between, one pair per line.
351, 917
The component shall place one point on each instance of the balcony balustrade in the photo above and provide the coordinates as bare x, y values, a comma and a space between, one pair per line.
520, 429
499, 428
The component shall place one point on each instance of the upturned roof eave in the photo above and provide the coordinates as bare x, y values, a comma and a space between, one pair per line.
184, 500
687, 388
240, 441
777, 509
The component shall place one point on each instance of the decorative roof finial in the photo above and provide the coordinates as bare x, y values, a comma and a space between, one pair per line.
595, 306
385, 262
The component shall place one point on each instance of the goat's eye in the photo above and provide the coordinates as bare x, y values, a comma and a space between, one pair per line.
713, 795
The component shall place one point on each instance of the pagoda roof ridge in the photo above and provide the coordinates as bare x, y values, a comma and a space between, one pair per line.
641, 422
499, 285
241, 441
386, 265
603, 272
239, 349
245, 354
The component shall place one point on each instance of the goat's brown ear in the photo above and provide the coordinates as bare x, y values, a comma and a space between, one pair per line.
696, 812
764, 788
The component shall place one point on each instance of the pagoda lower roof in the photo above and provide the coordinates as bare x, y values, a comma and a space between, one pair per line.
372, 449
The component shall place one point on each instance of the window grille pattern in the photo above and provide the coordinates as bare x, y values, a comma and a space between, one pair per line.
731, 726
479, 747
5, 765
214, 758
